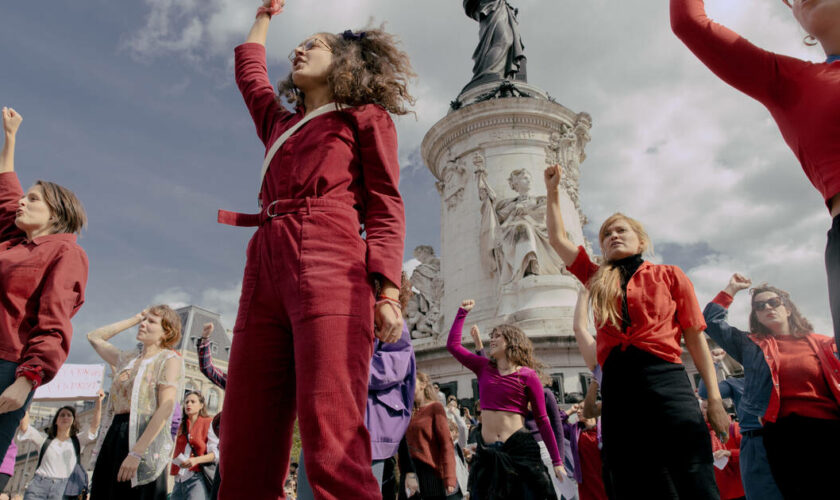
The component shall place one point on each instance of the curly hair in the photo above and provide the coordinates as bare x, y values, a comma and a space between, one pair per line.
519, 350
429, 392
367, 68
799, 326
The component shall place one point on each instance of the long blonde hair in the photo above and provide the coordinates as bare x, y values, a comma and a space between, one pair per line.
605, 285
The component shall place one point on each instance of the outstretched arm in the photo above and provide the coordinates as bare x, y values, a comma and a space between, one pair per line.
557, 237
728, 337
731, 57
11, 122
453, 344
205, 359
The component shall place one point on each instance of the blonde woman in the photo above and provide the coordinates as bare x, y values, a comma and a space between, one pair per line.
137, 445
642, 312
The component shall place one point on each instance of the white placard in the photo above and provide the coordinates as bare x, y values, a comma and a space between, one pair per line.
73, 382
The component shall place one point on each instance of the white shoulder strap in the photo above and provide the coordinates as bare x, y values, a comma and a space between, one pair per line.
326, 108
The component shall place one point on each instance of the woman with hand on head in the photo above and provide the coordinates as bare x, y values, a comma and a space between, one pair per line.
315, 292
43, 273
60, 451
508, 383
790, 387
642, 312
137, 446
803, 98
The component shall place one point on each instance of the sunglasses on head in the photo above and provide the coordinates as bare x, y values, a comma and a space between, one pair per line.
760, 305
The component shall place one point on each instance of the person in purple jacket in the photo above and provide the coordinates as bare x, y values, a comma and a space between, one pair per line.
7, 467
390, 400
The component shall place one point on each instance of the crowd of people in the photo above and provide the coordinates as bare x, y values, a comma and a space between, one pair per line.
320, 339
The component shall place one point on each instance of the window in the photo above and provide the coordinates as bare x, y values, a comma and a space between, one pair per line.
214, 348
213, 401
585, 379
557, 387
448, 389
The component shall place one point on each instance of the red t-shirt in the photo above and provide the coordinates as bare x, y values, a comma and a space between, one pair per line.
802, 385
347, 156
592, 484
661, 303
43, 286
801, 96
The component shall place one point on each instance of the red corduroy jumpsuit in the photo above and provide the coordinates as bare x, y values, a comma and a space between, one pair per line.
303, 337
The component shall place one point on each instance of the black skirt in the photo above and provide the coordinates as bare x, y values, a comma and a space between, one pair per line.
114, 450
513, 470
650, 412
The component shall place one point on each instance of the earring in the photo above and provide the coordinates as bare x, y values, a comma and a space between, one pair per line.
809, 40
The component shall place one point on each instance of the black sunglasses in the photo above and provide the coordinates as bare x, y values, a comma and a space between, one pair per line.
760, 305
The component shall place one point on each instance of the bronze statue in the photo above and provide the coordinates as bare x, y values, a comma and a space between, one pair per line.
500, 54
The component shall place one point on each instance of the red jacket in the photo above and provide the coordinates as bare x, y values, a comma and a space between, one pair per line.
825, 349
315, 163
42, 286
197, 434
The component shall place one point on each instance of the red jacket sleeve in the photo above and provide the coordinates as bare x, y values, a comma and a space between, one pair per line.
62, 294
446, 450
384, 215
256, 89
750, 69
10, 195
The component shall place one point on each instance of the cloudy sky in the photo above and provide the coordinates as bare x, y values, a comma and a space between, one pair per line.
133, 106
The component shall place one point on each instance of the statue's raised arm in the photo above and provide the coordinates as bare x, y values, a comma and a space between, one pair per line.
500, 53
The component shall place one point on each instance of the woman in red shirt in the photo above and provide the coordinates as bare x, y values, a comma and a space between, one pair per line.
43, 273
187, 464
799, 369
803, 98
642, 311
432, 451
315, 291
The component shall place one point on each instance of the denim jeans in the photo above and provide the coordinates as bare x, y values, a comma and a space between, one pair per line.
192, 488
9, 421
44, 488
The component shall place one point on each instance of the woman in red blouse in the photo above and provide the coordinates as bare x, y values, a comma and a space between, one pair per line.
43, 273
803, 98
642, 312
315, 291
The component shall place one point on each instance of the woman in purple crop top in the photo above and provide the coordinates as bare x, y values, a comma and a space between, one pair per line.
507, 463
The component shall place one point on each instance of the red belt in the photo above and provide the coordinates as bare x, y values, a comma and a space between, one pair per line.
280, 207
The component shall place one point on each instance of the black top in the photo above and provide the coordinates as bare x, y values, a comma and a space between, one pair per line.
627, 267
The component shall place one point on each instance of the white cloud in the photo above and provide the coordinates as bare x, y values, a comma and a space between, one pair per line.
672, 145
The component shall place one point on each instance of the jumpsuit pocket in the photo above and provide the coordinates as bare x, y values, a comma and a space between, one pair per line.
249, 283
333, 268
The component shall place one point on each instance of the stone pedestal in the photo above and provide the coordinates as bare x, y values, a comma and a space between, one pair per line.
493, 138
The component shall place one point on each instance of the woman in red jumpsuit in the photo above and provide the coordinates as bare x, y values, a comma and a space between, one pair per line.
314, 290
803, 97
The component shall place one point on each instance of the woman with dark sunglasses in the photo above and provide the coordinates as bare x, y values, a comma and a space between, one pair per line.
791, 392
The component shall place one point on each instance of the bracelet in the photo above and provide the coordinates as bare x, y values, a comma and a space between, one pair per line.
135, 455
383, 299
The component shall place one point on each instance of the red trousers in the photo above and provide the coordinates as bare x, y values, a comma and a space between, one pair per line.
302, 343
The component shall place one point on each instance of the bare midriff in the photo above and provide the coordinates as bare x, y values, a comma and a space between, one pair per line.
834, 205
499, 425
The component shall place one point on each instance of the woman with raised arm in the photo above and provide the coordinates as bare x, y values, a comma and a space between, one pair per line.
137, 445
790, 384
803, 98
59, 452
642, 312
43, 273
508, 383
315, 292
